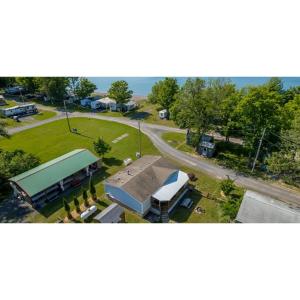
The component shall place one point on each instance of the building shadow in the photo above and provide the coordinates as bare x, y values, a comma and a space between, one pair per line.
112, 161
69, 195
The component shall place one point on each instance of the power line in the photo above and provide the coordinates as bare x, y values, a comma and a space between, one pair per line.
284, 138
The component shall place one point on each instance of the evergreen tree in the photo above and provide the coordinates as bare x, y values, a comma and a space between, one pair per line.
85, 198
93, 190
67, 208
77, 205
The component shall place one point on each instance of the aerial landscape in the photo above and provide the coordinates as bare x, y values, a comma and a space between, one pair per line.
149, 150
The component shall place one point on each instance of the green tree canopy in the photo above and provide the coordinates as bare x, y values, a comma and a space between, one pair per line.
7, 81
120, 92
31, 84
101, 147
259, 108
15, 162
285, 163
54, 87
92, 189
66, 206
84, 88
85, 198
164, 92
224, 98
192, 108
3, 131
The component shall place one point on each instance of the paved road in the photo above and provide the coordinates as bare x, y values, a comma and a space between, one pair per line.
154, 131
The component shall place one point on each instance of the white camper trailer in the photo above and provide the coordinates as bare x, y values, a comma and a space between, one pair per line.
163, 114
20, 110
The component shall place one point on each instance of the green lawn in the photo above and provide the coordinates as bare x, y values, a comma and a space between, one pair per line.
53, 139
178, 141
149, 113
43, 115
9, 103
206, 195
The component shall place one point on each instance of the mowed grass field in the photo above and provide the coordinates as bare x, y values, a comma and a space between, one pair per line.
54, 139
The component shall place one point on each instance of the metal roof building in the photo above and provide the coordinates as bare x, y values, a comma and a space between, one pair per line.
47, 180
257, 208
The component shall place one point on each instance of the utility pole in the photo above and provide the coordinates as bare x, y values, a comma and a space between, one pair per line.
140, 139
258, 149
68, 121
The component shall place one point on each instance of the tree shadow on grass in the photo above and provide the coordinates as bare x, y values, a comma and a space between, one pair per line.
57, 204
112, 161
14, 211
182, 214
138, 115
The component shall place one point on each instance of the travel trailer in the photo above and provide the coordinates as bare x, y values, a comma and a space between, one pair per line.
20, 110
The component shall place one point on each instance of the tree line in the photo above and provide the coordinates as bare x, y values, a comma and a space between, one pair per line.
218, 105
59, 88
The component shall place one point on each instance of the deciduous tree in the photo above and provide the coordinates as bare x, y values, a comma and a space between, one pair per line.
15, 162
84, 88
120, 92
101, 147
164, 92
192, 108
55, 88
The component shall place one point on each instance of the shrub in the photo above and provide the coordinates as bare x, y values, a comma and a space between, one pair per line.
227, 186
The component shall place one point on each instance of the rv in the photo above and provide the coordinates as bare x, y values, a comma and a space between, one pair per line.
20, 110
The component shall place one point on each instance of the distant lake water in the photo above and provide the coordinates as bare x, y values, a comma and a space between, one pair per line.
142, 85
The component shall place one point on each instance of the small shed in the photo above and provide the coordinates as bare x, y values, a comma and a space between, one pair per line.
112, 214
207, 146
163, 114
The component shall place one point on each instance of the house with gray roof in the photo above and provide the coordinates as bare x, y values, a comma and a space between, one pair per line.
150, 183
258, 208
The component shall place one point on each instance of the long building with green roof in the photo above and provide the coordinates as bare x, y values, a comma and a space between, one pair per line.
47, 181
